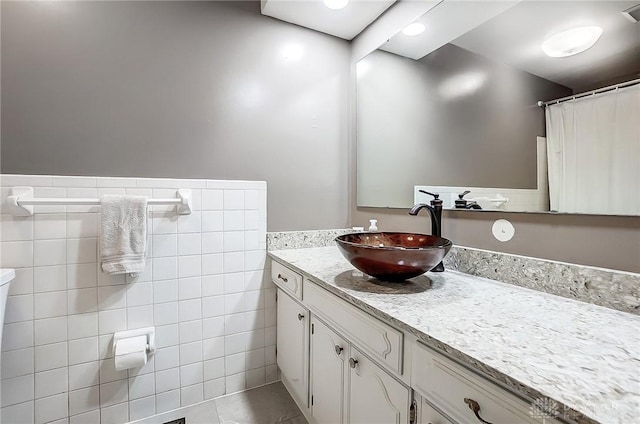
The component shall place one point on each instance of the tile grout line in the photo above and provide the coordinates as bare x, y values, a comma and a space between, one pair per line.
201, 303
33, 322
97, 296
66, 238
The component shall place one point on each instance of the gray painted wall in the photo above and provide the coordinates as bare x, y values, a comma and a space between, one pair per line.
179, 89
452, 118
174, 89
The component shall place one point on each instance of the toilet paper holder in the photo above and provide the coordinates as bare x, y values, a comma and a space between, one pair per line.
150, 332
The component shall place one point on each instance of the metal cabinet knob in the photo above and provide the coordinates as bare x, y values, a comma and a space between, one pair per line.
353, 362
300, 317
338, 349
283, 278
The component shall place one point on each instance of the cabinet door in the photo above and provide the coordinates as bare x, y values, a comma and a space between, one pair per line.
375, 396
328, 370
292, 346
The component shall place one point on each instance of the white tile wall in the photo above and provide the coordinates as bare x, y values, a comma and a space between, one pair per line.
205, 290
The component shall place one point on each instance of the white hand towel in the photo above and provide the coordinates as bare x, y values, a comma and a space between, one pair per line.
124, 233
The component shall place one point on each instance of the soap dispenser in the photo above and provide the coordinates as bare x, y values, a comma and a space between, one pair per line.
373, 225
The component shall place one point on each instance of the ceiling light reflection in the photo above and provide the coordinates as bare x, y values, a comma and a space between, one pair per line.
462, 85
336, 4
362, 67
292, 52
413, 29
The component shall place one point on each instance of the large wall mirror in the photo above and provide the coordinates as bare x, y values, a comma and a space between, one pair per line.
466, 99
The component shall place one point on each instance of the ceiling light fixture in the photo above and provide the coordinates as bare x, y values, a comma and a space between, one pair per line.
336, 4
413, 29
571, 42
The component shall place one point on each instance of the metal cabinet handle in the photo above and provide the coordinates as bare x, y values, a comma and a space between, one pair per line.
475, 407
283, 278
300, 317
353, 362
338, 349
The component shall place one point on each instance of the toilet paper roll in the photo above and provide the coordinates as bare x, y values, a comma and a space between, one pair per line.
131, 353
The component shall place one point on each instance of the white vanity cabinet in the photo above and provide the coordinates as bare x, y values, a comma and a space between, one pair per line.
375, 338
348, 387
465, 396
288, 280
292, 347
331, 356
329, 373
351, 352
374, 396
345, 366
429, 415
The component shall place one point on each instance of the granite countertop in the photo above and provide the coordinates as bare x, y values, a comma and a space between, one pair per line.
583, 358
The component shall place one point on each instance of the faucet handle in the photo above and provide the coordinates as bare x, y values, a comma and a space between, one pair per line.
435, 195
436, 202
464, 193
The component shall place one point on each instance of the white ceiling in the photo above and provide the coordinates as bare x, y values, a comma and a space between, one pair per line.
344, 23
444, 23
513, 32
515, 37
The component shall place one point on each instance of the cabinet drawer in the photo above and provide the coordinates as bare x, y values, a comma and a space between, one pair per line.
288, 280
447, 384
379, 340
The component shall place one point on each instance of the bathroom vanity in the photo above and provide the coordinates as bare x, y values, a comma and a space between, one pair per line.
446, 348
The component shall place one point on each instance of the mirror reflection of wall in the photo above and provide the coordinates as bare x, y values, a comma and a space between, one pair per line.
452, 118
465, 114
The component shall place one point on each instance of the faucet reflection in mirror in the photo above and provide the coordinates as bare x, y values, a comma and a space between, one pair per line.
435, 212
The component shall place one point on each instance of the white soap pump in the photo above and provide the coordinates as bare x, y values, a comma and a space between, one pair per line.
373, 225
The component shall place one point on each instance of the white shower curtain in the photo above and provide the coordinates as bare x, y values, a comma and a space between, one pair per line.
593, 147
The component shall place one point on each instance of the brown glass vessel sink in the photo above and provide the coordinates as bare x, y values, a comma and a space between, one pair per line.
393, 256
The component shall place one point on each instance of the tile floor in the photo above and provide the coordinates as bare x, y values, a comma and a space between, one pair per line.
270, 404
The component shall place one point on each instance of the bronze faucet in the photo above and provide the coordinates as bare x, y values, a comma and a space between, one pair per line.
435, 212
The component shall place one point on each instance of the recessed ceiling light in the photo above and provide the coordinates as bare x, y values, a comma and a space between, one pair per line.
572, 41
336, 4
413, 29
